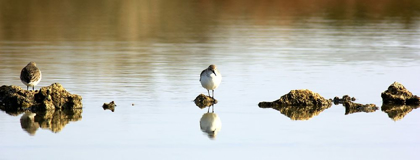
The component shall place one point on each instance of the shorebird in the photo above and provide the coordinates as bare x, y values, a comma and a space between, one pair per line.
30, 75
210, 79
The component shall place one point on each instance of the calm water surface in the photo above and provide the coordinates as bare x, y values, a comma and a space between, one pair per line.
147, 56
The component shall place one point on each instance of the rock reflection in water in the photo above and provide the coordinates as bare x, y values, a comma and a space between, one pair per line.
210, 123
398, 112
53, 120
301, 112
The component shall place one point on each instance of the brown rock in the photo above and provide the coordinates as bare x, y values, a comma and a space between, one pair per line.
398, 94
302, 97
109, 106
346, 98
15, 99
203, 101
299, 104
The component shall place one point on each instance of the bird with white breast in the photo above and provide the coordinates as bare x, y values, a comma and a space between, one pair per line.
210, 79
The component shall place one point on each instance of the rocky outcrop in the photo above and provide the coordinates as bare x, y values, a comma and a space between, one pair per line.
346, 98
299, 104
398, 94
352, 107
14, 99
302, 97
203, 101
109, 106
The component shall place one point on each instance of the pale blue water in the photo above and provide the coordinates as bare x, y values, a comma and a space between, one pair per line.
152, 58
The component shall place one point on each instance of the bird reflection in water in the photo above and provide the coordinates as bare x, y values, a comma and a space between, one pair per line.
27, 122
210, 123
54, 120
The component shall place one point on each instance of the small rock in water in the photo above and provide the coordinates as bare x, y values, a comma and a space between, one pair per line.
109, 106
302, 97
346, 98
203, 101
352, 107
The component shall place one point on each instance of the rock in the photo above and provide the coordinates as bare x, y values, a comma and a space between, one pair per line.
14, 99
346, 98
352, 107
203, 101
302, 97
299, 104
109, 106
398, 112
398, 94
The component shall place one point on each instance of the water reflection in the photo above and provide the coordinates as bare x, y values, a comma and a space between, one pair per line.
27, 122
301, 112
210, 123
398, 112
54, 120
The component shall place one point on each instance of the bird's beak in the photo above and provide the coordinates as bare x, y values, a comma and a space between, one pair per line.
214, 72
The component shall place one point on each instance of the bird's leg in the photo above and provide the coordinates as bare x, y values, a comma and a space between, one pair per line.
212, 91
27, 87
208, 110
212, 108
208, 92
33, 88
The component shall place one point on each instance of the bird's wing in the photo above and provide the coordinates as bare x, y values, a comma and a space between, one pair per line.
202, 72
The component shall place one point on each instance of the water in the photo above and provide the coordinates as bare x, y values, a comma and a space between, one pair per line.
147, 56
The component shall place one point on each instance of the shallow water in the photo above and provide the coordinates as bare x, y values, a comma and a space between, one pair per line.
147, 56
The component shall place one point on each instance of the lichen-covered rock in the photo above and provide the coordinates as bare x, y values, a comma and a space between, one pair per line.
352, 107
203, 101
397, 112
15, 99
299, 104
109, 106
346, 98
398, 94
302, 97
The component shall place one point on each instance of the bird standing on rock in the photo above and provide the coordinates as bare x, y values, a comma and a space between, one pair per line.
210, 79
30, 75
